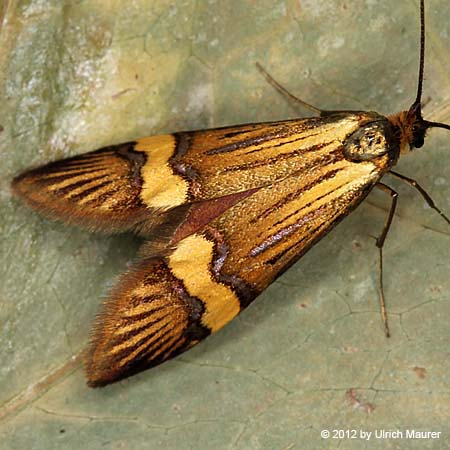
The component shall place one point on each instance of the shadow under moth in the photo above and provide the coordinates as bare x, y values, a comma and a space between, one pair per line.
223, 212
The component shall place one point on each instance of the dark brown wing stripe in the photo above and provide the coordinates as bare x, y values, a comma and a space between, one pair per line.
78, 193
295, 194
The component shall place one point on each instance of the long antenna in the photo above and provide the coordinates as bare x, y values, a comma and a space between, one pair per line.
417, 105
422, 54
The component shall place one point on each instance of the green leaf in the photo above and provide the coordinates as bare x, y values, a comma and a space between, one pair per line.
310, 353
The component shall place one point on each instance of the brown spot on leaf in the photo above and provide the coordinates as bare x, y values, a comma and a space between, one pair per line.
421, 372
357, 403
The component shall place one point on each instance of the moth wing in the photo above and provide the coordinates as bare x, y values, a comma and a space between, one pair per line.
166, 305
146, 320
99, 190
215, 163
133, 185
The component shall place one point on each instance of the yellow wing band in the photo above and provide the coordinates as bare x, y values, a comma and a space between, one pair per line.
161, 188
191, 262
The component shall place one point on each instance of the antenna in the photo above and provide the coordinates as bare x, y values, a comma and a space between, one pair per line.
416, 107
422, 54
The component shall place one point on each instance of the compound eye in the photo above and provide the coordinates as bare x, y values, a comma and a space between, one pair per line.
418, 134
418, 142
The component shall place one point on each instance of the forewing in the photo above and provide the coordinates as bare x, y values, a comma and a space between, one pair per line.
133, 185
223, 161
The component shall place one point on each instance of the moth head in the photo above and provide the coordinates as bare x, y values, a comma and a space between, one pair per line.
412, 128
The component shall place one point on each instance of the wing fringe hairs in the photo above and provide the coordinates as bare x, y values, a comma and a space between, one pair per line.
145, 321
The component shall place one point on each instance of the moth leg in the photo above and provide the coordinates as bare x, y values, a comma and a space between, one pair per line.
285, 92
379, 243
422, 192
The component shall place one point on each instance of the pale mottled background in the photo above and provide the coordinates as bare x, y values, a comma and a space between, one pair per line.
310, 354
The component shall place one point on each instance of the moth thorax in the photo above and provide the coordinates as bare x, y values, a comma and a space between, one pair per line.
368, 142
403, 123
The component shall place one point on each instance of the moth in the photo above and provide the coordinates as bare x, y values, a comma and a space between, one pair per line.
223, 212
